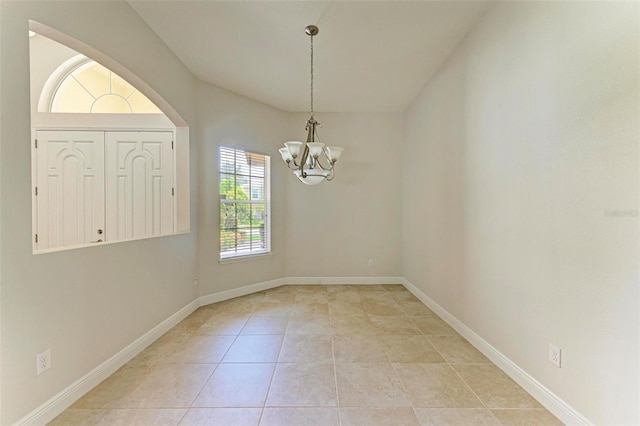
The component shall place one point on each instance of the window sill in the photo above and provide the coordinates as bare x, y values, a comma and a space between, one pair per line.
244, 258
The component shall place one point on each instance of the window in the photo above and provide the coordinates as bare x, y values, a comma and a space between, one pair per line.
244, 203
91, 88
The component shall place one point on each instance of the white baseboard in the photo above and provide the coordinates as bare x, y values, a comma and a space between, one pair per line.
548, 399
57, 404
343, 280
237, 292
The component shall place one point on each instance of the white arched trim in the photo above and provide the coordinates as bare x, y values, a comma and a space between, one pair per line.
55, 79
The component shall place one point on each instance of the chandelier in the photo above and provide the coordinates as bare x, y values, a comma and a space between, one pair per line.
311, 161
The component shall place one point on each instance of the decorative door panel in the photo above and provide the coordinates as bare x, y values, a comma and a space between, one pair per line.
70, 188
139, 184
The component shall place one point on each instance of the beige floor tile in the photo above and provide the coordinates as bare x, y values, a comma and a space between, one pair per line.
160, 351
273, 308
526, 417
395, 287
319, 288
415, 308
456, 417
303, 385
113, 391
284, 296
300, 417
435, 385
341, 308
265, 325
223, 325
396, 362
79, 417
143, 417
312, 297
343, 296
358, 348
310, 308
202, 350
309, 324
376, 307
393, 324
236, 385
254, 348
495, 388
367, 287
456, 350
354, 287
237, 306
378, 416
222, 417
306, 348
406, 349
170, 385
433, 326
369, 385
352, 325
404, 296
376, 296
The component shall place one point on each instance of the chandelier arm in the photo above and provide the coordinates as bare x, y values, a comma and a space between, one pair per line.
326, 169
331, 176
303, 160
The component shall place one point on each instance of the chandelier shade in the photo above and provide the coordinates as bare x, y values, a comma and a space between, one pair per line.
312, 162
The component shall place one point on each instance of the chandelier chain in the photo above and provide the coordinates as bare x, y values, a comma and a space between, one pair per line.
312, 75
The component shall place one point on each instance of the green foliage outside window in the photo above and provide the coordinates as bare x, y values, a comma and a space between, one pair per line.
237, 219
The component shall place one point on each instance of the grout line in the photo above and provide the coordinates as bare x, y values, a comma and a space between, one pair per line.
457, 374
273, 373
335, 373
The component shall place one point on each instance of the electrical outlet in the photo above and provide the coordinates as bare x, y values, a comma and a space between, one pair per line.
555, 355
370, 263
195, 280
43, 362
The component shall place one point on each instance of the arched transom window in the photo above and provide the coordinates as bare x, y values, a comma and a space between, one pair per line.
89, 87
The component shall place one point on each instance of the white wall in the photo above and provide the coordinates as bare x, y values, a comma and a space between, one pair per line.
334, 228
516, 153
227, 119
87, 304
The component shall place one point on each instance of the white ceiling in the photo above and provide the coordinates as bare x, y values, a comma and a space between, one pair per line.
369, 56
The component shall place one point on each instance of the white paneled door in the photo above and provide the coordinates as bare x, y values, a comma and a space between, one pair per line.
70, 188
139, 184
97, 186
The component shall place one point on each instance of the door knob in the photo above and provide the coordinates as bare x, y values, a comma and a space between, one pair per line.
96, 241
99, 231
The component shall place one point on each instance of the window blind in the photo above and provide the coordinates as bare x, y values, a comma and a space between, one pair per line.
244, 203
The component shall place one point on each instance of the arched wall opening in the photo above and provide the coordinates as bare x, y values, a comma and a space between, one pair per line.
46, 73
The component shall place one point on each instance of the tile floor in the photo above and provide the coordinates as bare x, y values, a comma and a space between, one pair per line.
310, 355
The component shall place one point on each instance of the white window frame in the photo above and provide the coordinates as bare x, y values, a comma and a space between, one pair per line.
251, 253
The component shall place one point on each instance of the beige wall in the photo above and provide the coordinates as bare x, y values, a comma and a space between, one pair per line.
86, 305
227, 119
333, 229
515, 153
